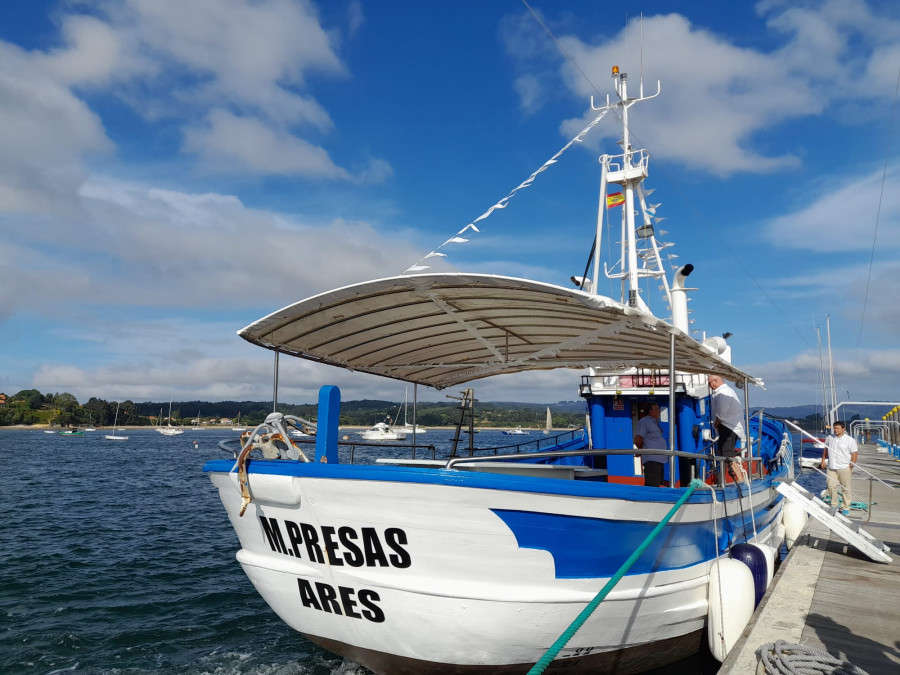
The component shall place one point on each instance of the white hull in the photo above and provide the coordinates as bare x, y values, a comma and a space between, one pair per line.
382, 436
441, 561
170, 431
382, 432
112, 437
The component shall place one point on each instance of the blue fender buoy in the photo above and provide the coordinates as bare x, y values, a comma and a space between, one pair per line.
755, 559
770, 554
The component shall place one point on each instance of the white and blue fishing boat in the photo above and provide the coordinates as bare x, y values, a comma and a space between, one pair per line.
491, 563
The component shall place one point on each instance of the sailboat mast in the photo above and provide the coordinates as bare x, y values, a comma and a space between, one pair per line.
822, 371
831, 371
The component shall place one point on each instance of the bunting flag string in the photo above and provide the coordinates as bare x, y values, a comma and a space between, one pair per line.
502, 204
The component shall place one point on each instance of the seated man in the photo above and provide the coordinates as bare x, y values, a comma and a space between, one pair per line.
649, 435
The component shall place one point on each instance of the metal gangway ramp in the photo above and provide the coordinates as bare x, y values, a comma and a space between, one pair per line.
837, 523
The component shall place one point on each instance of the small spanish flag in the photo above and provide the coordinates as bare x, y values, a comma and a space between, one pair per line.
614, 199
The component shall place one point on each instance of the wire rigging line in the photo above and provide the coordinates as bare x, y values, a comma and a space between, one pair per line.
559, 47
887, 154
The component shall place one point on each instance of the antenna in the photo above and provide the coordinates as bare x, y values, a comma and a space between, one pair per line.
641, 89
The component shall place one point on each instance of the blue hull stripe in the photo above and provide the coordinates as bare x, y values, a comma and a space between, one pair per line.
484, 480
593, 548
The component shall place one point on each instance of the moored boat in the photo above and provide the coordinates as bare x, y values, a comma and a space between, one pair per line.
811, 453
114, 436
479, 563
381, 431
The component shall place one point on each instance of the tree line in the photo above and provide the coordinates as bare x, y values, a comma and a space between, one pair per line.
30, 406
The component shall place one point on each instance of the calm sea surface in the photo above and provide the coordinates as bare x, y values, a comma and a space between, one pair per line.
117, 557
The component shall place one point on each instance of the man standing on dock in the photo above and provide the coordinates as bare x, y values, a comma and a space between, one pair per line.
841, 452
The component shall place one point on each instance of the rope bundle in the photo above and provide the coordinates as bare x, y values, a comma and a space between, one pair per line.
790, 659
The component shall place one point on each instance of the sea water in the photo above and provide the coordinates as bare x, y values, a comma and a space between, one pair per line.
117, 557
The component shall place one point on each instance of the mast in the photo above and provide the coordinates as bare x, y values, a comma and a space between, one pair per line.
822, 371
831, 371
640, 252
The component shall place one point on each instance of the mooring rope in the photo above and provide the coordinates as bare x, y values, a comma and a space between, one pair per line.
569, 632
791, 659
715, 519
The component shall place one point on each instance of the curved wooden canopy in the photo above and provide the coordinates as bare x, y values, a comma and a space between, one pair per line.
445, 329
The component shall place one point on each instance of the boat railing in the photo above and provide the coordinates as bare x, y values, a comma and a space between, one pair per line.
425, 448
639, 159
717, 460
537, 443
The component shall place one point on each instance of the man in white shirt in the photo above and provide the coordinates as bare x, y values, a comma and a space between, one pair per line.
649, 435
841, 452
728, 418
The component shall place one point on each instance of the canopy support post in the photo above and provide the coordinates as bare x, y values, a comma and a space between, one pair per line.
748, 443
415, 419
672, 409
275, 385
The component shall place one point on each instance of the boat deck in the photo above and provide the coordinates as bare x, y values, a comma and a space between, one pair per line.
829, 596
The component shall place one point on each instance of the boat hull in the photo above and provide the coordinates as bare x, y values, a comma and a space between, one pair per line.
622, 661
416, 570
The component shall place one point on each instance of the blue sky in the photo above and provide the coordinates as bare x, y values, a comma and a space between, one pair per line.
172, 171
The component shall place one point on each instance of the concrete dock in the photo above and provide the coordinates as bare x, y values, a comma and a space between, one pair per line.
827, 595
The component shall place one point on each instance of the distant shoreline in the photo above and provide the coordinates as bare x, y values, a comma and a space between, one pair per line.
46, 427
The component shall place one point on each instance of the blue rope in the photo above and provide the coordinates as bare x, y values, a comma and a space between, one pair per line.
567, 634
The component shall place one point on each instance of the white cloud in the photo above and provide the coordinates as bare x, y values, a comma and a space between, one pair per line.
233, 72
869, 375
44, 133
232, 144
137, 245
251, 54
355, 17
92, 53
841, 217
717, 96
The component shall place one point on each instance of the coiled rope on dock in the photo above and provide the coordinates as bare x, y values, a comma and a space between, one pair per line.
784, 658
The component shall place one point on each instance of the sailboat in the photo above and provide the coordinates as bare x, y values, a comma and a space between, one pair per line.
237, 425
169, 430
548, 426
90, 425
113, 436
407, 428
374, 561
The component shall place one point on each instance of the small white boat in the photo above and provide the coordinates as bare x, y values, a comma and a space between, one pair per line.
518, 431
113, 436
169, 430
548, 427
408, 428
237, 425
49, 431
811, 454
382, 432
